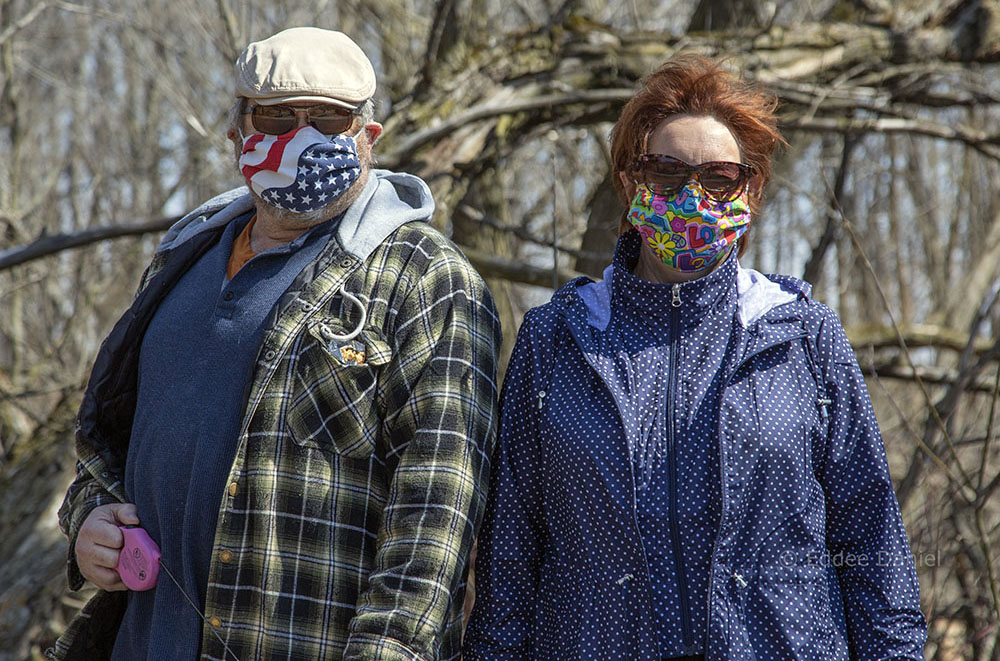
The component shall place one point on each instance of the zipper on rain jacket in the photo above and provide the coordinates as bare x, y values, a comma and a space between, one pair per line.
675, 534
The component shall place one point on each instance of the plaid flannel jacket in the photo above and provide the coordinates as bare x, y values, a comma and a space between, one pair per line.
360, 477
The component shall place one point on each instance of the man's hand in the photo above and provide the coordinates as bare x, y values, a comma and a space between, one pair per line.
100, 541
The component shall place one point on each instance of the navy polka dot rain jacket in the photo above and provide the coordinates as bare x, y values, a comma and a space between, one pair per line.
809, 559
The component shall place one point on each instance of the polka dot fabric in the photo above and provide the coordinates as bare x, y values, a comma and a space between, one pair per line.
656, 338
787, 531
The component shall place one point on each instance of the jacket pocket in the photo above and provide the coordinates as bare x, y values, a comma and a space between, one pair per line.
794, 600
334, 405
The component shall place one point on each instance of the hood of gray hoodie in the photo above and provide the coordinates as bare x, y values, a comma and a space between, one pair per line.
388, 200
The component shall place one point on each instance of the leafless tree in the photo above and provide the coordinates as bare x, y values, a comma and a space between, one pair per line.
112, 122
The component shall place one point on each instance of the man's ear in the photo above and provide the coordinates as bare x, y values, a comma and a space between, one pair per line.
373, 131
233, 136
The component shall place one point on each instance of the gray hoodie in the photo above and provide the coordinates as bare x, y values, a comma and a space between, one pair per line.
389, 199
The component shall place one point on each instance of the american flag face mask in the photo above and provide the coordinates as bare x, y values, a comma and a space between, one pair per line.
302, 170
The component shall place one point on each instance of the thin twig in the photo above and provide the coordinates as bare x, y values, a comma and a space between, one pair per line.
983, 142
24, 21
848, 226
984, 459
984, 546
984, 537
521, 233
906, 425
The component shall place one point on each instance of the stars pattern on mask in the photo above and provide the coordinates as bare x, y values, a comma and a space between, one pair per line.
324, 169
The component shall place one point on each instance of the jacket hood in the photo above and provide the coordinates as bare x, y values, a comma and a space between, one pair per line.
388, 200
757, 294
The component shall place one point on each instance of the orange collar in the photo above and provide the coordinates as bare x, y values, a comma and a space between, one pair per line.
242, 252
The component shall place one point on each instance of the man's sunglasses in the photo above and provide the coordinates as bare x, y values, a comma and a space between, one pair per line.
279, 119
723, 181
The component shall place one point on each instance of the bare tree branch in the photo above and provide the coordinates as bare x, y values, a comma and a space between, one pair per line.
444, 16
965, 483
915, 335
232, 32
405, 148
488, 265
926, 373
495, 267
50, 245
981, 141
525, 235
812, 268
24, 21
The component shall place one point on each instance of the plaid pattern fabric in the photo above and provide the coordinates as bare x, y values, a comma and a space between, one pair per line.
360, 477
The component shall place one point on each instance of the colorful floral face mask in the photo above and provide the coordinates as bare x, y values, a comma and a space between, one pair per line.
686, 229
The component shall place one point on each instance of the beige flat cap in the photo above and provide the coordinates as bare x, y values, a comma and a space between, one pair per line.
305, 64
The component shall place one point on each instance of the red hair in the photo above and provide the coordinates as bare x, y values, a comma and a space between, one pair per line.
695, 85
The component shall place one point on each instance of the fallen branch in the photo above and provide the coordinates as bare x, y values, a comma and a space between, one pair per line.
985, 143
50, 245
915, 335
931, 374
488, 265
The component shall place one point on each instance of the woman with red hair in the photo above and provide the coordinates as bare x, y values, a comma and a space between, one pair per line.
689, 465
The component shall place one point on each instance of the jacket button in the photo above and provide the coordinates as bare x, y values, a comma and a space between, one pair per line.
269, 354
234, 489
226, 556
345, 262
215, 622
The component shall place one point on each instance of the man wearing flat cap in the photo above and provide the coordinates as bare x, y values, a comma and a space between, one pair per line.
298, 408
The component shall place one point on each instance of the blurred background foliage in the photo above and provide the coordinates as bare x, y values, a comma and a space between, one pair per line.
113, 120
